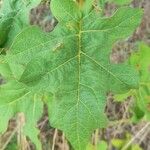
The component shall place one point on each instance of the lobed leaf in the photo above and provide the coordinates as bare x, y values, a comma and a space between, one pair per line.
72, 63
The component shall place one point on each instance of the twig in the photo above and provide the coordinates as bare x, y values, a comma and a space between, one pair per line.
123, 117
143, 137
96, 137
21, 139
136, 136
9, 139
41, 124
54, 139
63, 139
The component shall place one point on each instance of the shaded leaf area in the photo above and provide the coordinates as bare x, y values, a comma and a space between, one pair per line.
68, 68
20, 100
14, 16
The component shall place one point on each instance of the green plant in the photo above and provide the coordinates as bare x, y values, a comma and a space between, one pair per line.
141, 62
69, 69
120, 2
14, 16
122, 144
102, 145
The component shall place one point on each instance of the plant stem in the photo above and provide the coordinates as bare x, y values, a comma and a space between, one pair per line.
21, 139
80, 2
136, 136
54, 139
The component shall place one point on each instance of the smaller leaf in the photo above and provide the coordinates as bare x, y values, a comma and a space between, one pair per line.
90, 147
136, 147
19, 100
121, 2
122, 97
141, 62
5, 26
14, 16
4, 68
138, 114
102, 145
118, 143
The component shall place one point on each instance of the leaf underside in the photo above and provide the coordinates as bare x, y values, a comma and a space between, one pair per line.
72, 63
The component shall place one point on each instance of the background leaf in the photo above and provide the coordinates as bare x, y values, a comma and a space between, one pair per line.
14, 16
18, 100
121, 2
141, 62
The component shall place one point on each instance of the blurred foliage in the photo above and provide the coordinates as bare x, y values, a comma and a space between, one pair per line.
14, 16
121, 144
120, 2
102, 145
141, 62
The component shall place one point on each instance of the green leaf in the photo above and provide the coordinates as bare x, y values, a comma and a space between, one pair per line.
102, 145
118, 143
70, 10
12, 145
72, 63
19, 99
4, 68
32, 107
5, 25
121, 143
141, 62
87, 6
14, 16
102, 3
121, 2
90, 147
136, 147
122, 97
138, 114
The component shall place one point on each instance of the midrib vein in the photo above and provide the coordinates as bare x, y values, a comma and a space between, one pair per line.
79, 57
79, 69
